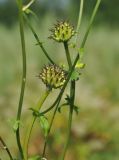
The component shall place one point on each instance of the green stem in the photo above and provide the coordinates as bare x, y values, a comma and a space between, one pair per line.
21, 23
79, 19
38, 41
68, 134
6, 148
90, 23
67, 54
32, 121
51, 123
72, 88
64, 86
72, 95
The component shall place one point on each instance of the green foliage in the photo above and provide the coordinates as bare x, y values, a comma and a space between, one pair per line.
15, 124
44, 124
77, 72
68, 101
75, 75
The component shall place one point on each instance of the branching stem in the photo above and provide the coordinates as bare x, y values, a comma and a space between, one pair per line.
72, 88
32, 121
58, 101
51, 123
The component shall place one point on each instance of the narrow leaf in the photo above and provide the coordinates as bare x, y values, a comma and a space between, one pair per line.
44, 124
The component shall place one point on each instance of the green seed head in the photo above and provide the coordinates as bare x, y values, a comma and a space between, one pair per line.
53, 76
62, 32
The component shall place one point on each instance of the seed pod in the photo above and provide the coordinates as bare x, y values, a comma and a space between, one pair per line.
62, 32
53, 76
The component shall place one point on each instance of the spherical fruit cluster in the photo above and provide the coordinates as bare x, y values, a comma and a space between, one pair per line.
62, 32
53, 76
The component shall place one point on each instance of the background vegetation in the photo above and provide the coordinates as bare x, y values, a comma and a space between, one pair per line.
95, 130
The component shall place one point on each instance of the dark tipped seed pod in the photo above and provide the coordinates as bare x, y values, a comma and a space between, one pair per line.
53, 76
62, 32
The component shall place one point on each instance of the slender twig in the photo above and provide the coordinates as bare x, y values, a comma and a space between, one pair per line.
79, 20
32, 121
21, 22
37, 39
90, 23
6, 148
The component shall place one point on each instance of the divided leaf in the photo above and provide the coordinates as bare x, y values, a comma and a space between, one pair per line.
75, 75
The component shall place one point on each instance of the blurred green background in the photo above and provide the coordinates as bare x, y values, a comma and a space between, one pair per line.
95, 130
